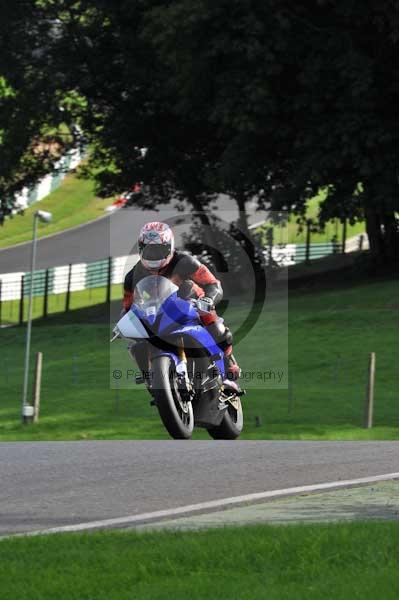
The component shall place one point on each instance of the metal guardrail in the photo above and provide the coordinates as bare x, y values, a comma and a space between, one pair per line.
315, 250
291, 254
60, 282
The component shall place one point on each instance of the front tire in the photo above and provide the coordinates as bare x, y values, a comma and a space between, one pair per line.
176, 414
231, 426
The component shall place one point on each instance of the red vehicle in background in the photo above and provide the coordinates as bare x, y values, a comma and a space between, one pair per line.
126, 199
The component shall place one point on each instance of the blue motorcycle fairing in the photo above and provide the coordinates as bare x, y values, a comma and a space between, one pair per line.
173, 312
140, 313
201, 335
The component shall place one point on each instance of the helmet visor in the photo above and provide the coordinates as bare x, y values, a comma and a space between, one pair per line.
156, 251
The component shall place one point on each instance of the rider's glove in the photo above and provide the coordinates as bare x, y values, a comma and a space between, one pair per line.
205, 304
185, 290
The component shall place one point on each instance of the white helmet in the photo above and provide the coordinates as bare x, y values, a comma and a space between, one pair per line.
156, 245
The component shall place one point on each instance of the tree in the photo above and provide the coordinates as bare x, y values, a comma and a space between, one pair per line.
312, 86
270, 100
36, 120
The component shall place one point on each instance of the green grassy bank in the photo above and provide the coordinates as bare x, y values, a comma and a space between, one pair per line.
73, 203
331, 332
344, 561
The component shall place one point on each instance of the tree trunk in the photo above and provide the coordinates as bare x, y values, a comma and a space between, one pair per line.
391, 237
373, 228
245, 238
383, 234
242, 216
199, 211
209, 238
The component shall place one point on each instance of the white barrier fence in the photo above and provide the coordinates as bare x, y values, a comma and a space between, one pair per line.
72, 278
82, 276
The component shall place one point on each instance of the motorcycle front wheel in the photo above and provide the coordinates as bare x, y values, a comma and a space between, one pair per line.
176, 414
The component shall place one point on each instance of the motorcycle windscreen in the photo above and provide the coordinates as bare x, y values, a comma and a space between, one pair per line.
151, 292
131, 327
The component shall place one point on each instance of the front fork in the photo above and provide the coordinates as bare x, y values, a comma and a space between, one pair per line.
184, 384
143, 354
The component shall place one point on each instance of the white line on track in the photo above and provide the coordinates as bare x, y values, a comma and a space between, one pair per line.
212, 504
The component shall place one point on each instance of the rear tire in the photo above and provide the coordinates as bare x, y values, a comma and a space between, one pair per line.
231, 426
176, 414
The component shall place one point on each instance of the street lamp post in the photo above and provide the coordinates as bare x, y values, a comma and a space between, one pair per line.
27, 410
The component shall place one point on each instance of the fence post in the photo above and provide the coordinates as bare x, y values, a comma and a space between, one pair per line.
307, 255
117, 396
290, 393
109, 281
5, 369
37, 386
344, 225
21, 302
68, 294
75, 369
45, 299
369, 404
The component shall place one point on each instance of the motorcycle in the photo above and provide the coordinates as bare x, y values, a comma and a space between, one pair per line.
180, 362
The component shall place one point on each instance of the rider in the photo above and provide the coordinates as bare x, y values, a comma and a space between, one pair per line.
158, 256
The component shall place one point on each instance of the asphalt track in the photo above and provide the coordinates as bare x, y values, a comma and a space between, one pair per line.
86, 243
56, 484
111, 235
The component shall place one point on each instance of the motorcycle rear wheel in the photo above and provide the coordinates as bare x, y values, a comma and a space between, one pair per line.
231, 426
176, 414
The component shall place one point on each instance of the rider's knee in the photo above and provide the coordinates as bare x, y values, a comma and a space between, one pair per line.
220, 332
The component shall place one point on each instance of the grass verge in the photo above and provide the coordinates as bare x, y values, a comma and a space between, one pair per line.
73, 203
343, 561
291, 233
331, 332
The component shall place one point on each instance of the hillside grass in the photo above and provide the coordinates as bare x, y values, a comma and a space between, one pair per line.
73, 203
291, 233
331, 332
298, 562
